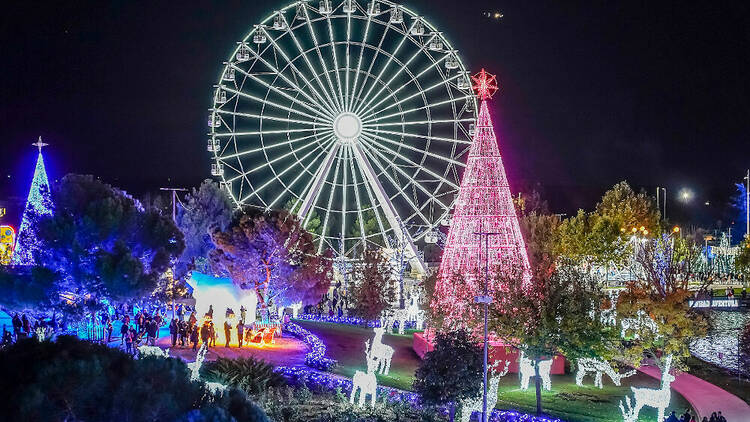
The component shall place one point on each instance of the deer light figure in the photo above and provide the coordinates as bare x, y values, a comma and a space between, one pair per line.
628, 413
195, 367
526, 368
366, 382
410, 313
599, 367
381, 352
658, 399
475, 405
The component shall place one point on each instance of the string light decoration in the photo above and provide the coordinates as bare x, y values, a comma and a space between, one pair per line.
7, 243
658, 399
144, 351
383, 353
38, 204
484, 203
599, 367
468, 407
316, 357
526, 368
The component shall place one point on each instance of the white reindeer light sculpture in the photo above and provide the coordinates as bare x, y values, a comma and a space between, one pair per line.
410, 313
628, 413
658, 399
599, 367
365, 382
195, 372
381, 352
526, 368
475, 405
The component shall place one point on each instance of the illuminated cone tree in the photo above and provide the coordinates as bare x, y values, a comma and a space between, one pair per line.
39, 203
484, 204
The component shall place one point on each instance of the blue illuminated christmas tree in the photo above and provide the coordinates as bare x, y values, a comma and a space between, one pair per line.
38, 204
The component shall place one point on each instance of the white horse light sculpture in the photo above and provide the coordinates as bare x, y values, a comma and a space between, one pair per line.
599, 367
526, 368
366, 382
658, 399
475, 405
381, 352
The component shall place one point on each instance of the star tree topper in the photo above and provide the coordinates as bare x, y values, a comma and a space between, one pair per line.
485, 85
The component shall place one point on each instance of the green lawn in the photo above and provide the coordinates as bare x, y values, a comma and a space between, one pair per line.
566, 400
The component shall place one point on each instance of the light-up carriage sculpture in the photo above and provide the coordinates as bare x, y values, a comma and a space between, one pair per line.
355, 115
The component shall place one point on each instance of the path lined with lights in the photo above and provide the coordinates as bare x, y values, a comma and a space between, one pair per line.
704, 396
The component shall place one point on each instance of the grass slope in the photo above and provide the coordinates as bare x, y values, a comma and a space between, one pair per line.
567, 401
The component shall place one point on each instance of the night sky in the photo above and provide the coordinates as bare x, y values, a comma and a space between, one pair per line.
591, 92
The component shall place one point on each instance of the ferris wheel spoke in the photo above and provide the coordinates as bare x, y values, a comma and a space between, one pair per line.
267, 132
413, 78
267, 147
330, 105
278, 175
412, 110
315, 185
405, 174
395, 75
315, 122
418, 93
268, 163
359, 63
327, 107
279, 106
335, 61
357, 100
372, 197
385, 203
374, 137
330, 201
418, 122
322, 62
327, 143
344, 185
360, 209
358, 109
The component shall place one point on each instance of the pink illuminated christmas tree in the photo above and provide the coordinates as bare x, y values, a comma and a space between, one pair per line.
484, 204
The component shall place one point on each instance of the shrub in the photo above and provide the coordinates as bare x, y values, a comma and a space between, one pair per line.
251, 375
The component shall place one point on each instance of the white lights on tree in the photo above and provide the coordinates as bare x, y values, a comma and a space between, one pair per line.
365, 382
599, 367
475, 405
658, 399
526, 368
144, 351
381, 352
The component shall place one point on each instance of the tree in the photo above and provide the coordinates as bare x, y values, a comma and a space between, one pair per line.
76, 380
372, 290
742, 260
102, 243
451, 372
662, 296
272, 253
556, 311
206, 209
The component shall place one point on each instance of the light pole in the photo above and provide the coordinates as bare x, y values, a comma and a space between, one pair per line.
174, 219
485, 300
747, 205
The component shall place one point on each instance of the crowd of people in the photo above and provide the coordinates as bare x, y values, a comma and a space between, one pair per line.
687, 417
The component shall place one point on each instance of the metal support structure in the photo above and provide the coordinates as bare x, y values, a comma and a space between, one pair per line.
485, 300
312, 194
387, 206
174, 219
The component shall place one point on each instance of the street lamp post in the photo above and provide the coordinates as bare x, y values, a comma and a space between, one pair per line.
747, 205
485, 299
174, 218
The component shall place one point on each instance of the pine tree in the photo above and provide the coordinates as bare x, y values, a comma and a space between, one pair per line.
373, 291
38, 203
484, 204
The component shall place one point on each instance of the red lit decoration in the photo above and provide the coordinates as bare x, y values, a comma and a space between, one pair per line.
484, 84
484, 204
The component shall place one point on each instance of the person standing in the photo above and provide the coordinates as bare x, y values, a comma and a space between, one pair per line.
212, 333
185, 332
240, 332
227, 332
194, 338
192, 320
26, 325
109, 329
205, 334
16, 326
128, 341
173, 331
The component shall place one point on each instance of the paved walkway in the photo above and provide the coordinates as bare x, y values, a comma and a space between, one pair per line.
705, 397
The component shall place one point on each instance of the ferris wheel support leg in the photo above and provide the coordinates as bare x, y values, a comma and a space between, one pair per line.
387, 207
312, 194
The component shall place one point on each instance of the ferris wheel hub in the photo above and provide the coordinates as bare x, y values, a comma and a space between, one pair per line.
347, 127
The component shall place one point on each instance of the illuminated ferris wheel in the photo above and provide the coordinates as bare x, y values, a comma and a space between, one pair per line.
355, 116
